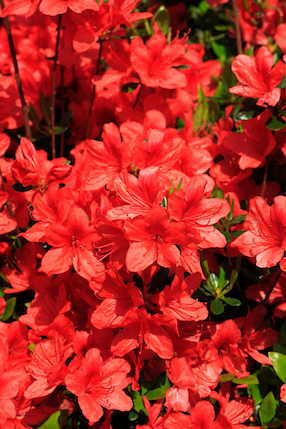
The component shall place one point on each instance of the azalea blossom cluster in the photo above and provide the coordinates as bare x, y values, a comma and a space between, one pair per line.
128, 236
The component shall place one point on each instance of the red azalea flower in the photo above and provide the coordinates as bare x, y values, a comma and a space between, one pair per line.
99, 384
266, 237
258, 77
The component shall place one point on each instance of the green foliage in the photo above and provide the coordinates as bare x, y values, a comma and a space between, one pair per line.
55, 421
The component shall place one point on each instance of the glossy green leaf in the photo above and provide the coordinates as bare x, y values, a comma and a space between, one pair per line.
138, 404
55, 421
275, 123
254, 390
165, 383
9, 309
155, 394
162, 18
133, 416
217, 306
198, 116
232, 301
248, 112
213, 281
214, 111
226, 377
279, 364
237, 219
267, 408
251, 379
217, 193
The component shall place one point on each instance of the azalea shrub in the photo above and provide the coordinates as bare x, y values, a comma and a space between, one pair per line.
143, 214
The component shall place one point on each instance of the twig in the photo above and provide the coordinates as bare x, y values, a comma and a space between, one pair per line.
237, 27
263, 189
17, 75
53, 107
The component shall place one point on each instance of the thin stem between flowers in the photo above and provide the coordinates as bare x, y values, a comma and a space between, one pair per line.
54, 88
17, 75
266, 167
237, 27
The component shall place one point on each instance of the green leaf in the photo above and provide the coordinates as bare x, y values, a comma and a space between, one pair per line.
228, 75
198, 116
227, 235
165, 383
55, 421
133, 416
129, 87
33, 116
237, 233
155, 394
179, 184
180, 123
162, 18
275, 123
275, 424
282, 84
248, 112
221, 275
213, 281
205, 265
60, 130
138, 404
226, 377
254, 391
279, 364
277, 347
267, 408
220, 50
64, 119
251, 379
217, 306
237, 219
269, 376
20, 188
9, 309
232, 301
214, 111
217, 193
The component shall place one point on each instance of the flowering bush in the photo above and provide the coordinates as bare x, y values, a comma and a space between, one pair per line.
143, 214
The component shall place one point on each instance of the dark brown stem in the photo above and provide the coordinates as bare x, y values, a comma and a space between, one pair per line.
93, 91
274, 284
53, 107
62, 146
17, 75
266, 167
74, 78
237, 27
